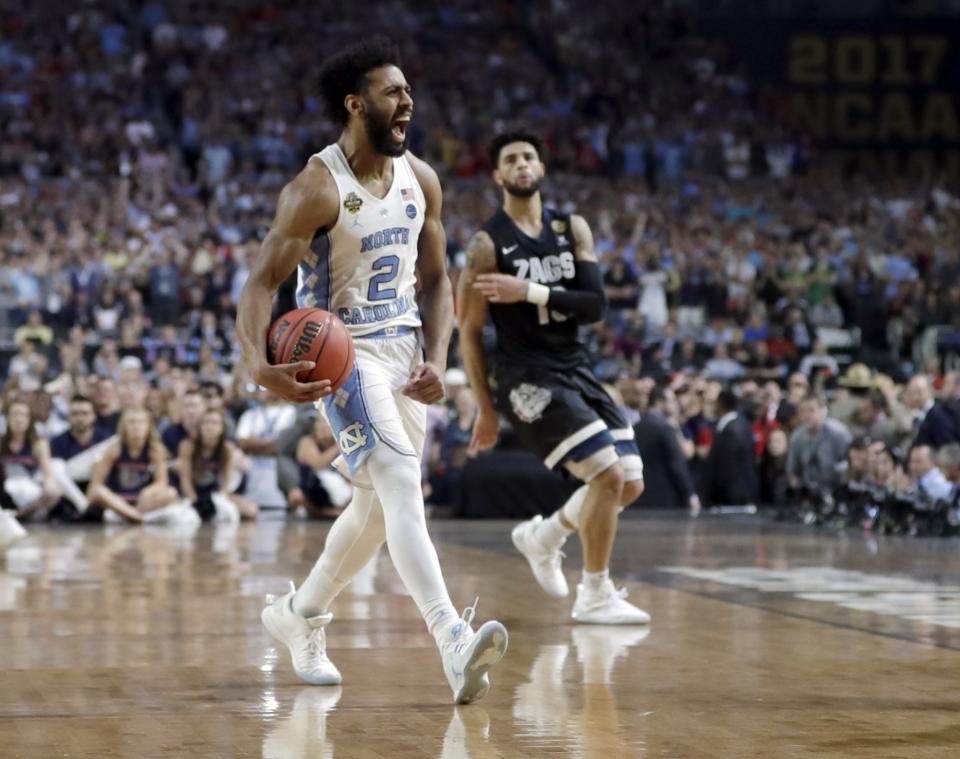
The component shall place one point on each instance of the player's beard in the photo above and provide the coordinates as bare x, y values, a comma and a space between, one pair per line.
522, 192
379, 130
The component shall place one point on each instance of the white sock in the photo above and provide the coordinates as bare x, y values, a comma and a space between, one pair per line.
574, 505
593, 581
396, 478
354, 539
551, 532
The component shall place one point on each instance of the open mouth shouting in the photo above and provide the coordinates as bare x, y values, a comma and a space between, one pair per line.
399, 128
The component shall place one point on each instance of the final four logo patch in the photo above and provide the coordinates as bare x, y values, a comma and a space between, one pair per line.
412, 211
352, 202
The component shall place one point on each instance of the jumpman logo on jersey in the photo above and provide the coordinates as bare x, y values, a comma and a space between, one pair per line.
352, 438
507, 251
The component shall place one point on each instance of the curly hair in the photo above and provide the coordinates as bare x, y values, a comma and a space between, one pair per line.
345, 73
499, 142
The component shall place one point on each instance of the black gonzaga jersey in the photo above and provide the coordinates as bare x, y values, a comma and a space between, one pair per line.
527, 334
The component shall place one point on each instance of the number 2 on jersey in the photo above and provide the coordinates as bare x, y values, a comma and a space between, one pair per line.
385, 271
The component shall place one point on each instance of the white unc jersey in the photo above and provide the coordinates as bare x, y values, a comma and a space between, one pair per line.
364, 268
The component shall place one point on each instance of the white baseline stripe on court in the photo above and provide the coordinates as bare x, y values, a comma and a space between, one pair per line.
584, 433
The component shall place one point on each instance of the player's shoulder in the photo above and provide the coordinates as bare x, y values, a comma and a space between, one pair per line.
315, 180
579, 226
426, 176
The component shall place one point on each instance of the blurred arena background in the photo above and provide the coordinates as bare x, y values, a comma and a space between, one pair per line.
773, 201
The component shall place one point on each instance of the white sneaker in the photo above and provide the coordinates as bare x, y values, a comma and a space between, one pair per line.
226, 510
467, 655
304, 637
10, 529
606, 607
178, 514
544, 562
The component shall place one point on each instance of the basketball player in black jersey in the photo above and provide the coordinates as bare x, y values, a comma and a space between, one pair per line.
535, 271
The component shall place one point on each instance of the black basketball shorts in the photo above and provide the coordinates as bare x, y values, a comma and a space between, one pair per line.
568, 420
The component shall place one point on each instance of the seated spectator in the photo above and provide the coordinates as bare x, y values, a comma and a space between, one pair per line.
28, 481
722, 366
208, 472
762, 366
621, 286
449, 454
819, 360
107, 403
826, 313
886, 468
927, 476
213, 397
817, 446
933, 423
871, 420
730, 474
257, 433
948, 459
34, 330
667, 479
857, 466
131, 478
774, 481
28, 366
322, 492
191, 408
77, 450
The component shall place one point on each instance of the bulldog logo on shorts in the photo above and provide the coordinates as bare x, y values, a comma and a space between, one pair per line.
529, 401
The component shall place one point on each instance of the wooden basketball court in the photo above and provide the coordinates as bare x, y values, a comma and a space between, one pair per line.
766, 641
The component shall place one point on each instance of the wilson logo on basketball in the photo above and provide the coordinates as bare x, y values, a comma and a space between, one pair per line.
310, 332
278, 333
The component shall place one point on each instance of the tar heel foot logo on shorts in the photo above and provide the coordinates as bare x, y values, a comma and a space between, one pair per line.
352, 438
529, 401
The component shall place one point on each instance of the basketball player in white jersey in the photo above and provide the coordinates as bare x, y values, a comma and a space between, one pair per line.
360, 224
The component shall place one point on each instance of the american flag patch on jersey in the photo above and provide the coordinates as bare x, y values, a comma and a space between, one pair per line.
406, 193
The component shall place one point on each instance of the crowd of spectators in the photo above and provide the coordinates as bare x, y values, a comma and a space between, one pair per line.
142, 148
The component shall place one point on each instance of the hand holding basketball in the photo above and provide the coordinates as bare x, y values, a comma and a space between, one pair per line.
311, 354
281, 380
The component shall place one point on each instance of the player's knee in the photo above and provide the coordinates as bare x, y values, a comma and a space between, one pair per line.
610, 483
632, 490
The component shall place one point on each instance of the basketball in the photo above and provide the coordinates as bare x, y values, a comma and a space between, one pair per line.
312, 334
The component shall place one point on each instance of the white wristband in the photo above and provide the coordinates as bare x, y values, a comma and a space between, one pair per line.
538, 294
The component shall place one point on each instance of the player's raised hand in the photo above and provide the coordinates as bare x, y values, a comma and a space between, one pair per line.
281, 379
425, 384
485, 428
501, 288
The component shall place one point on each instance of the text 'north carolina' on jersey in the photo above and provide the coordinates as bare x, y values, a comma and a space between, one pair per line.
363, 269
527, 334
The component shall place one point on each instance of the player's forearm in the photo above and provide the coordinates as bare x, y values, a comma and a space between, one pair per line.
587, 302
475, 367
436, 311
253, 319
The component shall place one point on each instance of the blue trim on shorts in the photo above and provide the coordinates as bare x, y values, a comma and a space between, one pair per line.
588, 447
379, 433
388, 332
627, 448
346, 408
